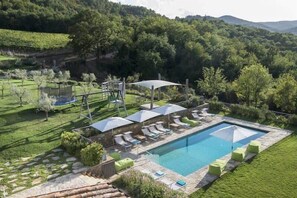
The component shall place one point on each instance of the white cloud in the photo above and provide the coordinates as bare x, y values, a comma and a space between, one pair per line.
254, 10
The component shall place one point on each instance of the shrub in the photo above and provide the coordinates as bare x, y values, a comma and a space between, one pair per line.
71, 142
253, 112
281, 119
92, 154
141, 185
292, 120
216, 106
270, 116
242, 110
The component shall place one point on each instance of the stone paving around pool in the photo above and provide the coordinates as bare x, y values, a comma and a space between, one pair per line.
17, 175
200, 177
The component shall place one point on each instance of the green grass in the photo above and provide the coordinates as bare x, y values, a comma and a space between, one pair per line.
24, 132
4, 58
271, 174
32, 40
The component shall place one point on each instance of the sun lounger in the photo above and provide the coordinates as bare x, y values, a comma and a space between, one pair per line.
196, 116
154, 130
119, 141
192, 123
150, 135
161, 128
127, 136
178, 122
205, 113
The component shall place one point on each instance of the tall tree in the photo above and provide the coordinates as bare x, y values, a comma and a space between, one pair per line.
213, 82
285, 93
93, 33
253, 81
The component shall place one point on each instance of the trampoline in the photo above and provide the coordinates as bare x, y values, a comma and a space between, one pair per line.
62, 93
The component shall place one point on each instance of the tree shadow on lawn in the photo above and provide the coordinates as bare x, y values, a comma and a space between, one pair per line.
54, 131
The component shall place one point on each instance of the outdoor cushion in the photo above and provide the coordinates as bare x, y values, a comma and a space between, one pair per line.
159, 173
254, 147
238, 154
123, 164
116, 156
217, 167
181, 182
192, 123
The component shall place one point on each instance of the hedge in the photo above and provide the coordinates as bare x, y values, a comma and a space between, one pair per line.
141, 185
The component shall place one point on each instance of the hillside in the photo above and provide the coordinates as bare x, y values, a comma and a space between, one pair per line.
279, 26
21, 40
283, 26
57, 15
236, 21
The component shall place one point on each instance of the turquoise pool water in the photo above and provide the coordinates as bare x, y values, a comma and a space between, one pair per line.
188, 154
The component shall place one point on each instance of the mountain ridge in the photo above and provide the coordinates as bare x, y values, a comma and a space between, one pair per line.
273, 26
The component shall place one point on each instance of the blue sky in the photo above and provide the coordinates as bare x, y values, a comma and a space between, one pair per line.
253, 10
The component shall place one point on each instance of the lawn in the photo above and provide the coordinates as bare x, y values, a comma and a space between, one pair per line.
24, 132
271, 174
32, 40
4, 58
28, 142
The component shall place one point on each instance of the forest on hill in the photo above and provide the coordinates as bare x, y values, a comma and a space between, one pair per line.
57, 15
145, 43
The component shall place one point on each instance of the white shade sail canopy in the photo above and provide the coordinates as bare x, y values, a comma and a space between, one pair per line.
142, 116
110, 123
168, 109
233, 133
156, 83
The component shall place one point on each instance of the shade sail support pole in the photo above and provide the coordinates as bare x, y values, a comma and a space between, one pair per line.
152, 97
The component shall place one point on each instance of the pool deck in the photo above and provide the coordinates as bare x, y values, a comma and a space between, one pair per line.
200, 177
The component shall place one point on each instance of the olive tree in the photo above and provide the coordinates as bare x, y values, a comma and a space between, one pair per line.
88, 78
3, 85
46, 104
21, 93
21, 74
39, 80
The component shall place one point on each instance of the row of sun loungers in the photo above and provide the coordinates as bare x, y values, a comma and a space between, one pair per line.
125, 140
154, 131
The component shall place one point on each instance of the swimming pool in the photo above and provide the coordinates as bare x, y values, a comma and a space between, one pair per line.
190, 153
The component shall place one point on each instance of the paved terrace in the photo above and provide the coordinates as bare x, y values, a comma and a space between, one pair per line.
201, 178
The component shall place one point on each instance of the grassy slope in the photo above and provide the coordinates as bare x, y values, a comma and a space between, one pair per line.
270, 174
23, 132
4, 58
32, 40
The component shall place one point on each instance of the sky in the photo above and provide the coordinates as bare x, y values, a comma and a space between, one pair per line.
252, 10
